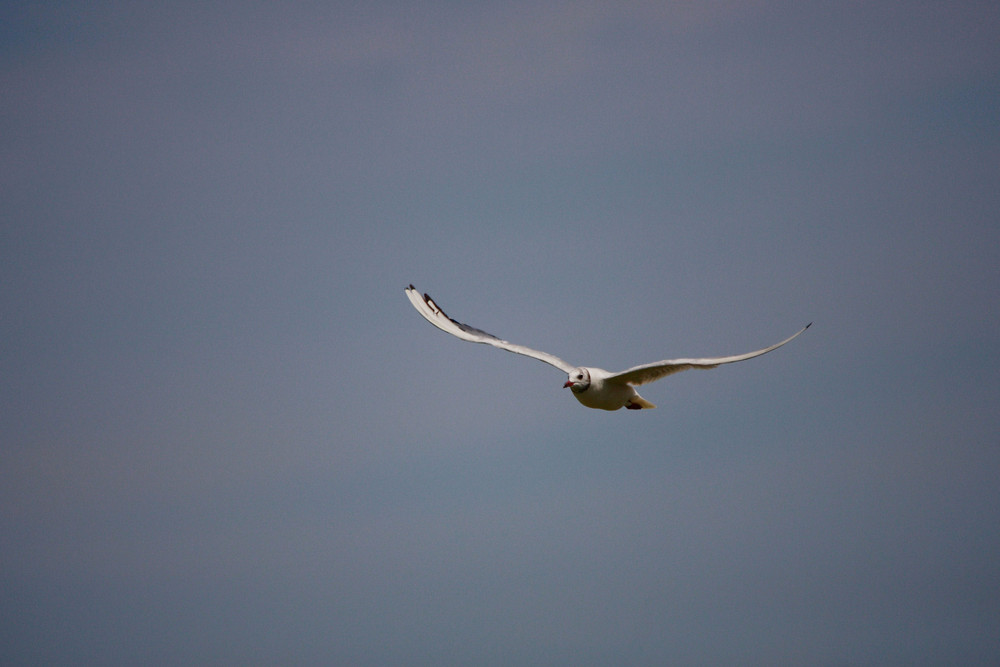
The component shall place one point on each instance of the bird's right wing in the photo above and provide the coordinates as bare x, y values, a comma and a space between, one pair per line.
649, 372
433, 314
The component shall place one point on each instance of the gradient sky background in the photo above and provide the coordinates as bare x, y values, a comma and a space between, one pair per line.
228, 438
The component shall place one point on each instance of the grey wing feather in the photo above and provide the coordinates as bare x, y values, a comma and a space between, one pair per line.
432, 313
660, 369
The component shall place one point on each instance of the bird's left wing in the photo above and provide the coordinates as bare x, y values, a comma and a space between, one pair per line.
432, 313
660, 369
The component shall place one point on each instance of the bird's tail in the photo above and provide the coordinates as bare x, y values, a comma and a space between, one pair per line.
637, 402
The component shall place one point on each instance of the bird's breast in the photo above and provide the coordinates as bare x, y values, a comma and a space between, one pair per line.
602, 396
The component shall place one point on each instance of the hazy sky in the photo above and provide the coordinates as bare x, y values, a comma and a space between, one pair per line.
227, 438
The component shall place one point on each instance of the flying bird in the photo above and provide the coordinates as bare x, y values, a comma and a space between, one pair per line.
593, 387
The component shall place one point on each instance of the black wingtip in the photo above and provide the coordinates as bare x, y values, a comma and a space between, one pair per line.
807, 326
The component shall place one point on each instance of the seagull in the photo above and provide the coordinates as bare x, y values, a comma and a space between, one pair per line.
593, 387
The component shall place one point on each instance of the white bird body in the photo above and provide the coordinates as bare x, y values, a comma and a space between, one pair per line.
602, 393
593, 387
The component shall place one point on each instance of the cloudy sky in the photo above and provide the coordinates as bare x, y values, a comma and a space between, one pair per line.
227, 438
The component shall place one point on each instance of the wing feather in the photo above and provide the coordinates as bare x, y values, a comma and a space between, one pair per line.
638, 375
432, 313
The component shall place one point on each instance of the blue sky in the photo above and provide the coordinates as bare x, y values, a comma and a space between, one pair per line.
228, 437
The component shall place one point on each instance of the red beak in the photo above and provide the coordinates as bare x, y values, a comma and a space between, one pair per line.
569, 383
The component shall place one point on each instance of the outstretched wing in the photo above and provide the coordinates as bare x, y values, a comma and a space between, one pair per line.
426, 307
660, 369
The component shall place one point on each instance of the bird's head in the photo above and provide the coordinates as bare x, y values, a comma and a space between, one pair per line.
578, 380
